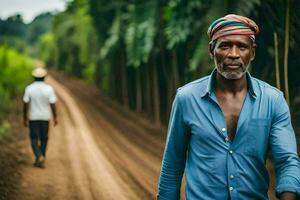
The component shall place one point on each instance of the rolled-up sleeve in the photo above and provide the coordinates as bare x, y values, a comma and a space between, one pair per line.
284, 149
174, 158
52, 96
26, 97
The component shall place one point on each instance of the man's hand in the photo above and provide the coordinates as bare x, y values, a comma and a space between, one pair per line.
53, 108
288, 196
55, 122
25, 118
25, 121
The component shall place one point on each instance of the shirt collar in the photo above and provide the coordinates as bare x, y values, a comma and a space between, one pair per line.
212, 79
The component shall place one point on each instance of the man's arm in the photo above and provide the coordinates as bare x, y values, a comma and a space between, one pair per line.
284, 152
53, 109
288, 196
52, 101
174, 159
25, 114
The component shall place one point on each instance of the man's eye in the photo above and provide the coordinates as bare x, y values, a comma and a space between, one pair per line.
224, 46
242, 48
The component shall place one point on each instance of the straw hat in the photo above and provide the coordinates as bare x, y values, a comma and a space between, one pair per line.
39, 72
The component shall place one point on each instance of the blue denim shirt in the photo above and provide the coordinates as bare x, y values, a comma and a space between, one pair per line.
216, 168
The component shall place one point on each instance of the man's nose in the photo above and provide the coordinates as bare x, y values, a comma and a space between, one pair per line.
234, 52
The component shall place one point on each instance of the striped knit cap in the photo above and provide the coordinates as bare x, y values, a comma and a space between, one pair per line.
232, 25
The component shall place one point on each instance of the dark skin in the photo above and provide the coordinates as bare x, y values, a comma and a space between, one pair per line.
232, 55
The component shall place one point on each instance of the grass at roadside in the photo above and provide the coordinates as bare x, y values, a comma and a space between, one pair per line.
12, 156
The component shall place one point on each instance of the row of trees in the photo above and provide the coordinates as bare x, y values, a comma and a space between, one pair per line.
139, 52
20, 36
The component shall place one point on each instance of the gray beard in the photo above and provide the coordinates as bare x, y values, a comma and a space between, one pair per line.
232, 75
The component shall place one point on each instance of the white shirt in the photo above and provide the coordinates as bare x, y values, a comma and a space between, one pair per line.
40, 95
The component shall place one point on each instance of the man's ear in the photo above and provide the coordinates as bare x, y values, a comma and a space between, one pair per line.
210, 50
253, 51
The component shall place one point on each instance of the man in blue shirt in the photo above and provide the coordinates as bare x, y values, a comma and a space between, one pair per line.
222, 127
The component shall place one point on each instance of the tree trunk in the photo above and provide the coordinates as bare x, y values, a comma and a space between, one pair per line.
148, 89
99, 74
76, 66
138, 91
163, 67
173, 85
286, 51
112, 83
156, 96
124, 80
277, 71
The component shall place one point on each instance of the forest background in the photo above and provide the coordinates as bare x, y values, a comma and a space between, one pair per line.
139, 52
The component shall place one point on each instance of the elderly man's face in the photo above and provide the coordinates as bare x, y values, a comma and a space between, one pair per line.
232, 55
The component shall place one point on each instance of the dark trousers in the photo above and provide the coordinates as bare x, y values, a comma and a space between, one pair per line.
39, 136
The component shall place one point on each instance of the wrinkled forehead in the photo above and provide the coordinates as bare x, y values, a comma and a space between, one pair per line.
232, 39
245, 39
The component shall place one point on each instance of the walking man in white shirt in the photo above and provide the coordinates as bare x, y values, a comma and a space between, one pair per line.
39, 100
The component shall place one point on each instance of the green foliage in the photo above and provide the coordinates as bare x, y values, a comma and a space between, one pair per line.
115, 34
39, 26
104, 41
74, 38
169, 36
4, 128
19, 44
46, 48
13, 26
245, 7
102, 13
200, 54
183, 19
105, 83
89, 73
15, 73
4, 99
138, 22
200, 61
140, 32
18, 35
82, 34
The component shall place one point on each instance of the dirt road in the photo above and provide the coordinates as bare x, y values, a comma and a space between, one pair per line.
94, 152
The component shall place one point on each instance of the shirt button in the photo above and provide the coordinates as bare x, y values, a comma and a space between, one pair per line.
223, 129
226, 139
230, 188
231, 177
231, 152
